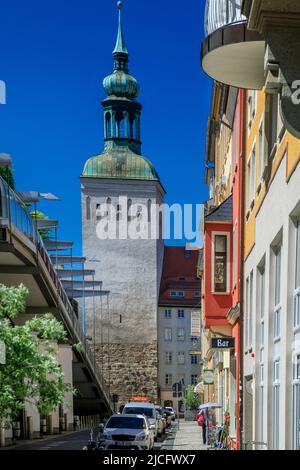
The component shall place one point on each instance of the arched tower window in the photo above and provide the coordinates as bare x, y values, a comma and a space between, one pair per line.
88, 208
120, 125
129, 204
132, 127
149, 204
108, 125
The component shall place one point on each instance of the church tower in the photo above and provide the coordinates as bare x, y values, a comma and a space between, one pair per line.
125, 326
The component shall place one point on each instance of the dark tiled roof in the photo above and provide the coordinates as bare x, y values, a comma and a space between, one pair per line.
221, 213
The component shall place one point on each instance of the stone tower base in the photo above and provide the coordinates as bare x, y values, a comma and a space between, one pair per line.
130, 369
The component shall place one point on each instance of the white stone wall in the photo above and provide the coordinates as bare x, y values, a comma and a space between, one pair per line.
273, 222
129, 269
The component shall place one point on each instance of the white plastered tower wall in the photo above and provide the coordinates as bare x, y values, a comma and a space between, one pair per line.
126, 329
274, 224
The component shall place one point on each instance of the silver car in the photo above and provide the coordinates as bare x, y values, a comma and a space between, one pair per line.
146, 409
130, 431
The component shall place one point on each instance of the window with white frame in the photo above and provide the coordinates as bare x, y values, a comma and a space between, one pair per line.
296, 403
261, 276
277, 309
168, 379
276, 404
181, 334
194, 359
180, 313
297, 278
252, 98
281, 127
220, 263
251, 307
181, 357
253, 168
194, 379
247, 314
168, 334
261, 157
235, 253
168, 357
168, 313
274, 120
249, 184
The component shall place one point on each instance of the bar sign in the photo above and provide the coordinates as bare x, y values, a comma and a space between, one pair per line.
222, 343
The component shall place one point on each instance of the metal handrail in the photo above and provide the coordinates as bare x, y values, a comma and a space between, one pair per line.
14, 214
219, 13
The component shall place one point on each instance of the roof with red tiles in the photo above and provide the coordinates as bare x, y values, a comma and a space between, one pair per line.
180, 275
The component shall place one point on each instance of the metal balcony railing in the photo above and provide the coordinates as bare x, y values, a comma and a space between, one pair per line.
219, 13
15, 217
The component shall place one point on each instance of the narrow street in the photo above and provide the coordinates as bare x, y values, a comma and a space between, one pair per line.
187, 437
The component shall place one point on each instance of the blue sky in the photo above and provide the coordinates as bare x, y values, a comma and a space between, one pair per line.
54, 56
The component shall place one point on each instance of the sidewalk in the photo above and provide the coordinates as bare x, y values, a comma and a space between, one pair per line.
188, 437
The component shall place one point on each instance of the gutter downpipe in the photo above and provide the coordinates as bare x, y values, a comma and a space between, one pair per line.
242, 221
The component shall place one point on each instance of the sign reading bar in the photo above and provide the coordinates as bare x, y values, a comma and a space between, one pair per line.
222, 343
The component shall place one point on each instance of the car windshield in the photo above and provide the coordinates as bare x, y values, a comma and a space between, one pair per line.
139, 411
123, 422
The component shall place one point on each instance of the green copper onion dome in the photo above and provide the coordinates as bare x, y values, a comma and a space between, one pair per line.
120, 164
121, 84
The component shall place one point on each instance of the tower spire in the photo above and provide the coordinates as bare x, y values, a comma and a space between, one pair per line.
120, 47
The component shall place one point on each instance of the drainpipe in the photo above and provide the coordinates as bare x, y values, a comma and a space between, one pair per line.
242, 221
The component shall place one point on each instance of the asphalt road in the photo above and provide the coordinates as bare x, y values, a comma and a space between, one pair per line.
74, 441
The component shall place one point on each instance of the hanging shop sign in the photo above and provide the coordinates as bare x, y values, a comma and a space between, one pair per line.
208, 376
222, 343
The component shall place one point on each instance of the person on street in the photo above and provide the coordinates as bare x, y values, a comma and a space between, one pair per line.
202, 423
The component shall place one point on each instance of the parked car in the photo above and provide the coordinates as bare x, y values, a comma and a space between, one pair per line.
131, 432
162, 418
146, 409
168, 417
170, 410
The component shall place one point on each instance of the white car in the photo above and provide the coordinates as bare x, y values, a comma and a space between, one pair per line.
170, 410
146, 409
131, 432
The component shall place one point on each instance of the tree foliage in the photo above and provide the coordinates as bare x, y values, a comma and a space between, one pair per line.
192, 401
32, 372
38, 215
8, 176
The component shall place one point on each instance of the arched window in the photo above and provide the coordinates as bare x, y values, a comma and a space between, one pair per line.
129, 204
108, 125
149, 204
120, 124
88, 208
132, 127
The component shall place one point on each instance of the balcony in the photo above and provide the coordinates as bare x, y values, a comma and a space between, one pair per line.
230, 53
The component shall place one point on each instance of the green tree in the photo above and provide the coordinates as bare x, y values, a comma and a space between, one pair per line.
191, 401
31, 372
37, 215
8, 176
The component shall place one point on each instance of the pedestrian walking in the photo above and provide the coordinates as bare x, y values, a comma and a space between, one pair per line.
202, 423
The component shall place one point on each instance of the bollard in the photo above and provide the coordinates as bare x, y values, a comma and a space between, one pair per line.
29, 422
